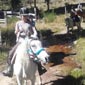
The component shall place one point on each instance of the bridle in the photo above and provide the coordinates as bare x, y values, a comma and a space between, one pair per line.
34, 54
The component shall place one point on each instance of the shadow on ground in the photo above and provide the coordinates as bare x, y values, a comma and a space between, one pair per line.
57, 57
68, 80
49, 38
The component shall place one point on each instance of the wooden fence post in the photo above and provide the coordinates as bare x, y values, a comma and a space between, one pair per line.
0, 39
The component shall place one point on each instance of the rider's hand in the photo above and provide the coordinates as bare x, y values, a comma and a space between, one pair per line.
34, 36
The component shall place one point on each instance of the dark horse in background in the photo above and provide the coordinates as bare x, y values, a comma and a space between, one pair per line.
74, 20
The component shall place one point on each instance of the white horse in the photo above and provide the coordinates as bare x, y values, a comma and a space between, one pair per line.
24, 66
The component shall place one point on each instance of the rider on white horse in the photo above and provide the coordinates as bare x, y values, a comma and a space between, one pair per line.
23, 29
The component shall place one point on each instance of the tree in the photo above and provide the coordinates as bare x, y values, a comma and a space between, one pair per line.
48, 2
25, 2
35, 3
4, 4
30, 2
15, 4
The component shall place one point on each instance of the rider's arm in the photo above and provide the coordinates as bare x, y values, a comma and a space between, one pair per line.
17, 32
16, 28
34, 32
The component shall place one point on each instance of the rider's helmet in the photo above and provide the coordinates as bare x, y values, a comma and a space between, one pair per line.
24, 11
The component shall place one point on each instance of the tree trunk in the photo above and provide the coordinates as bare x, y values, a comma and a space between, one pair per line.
35, 3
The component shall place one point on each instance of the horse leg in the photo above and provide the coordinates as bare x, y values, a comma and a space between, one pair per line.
33, 80
67, 29
38, 79
19, 80
78, 26
25, 82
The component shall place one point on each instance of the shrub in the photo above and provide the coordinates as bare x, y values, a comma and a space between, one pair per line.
7, 33
76, 73
8, 37
49, 17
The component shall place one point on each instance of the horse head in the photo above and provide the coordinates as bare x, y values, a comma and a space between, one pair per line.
36, 49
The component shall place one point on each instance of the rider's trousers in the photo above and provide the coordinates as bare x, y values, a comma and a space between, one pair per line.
11, 53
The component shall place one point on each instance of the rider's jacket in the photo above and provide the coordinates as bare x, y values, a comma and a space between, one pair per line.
25, 29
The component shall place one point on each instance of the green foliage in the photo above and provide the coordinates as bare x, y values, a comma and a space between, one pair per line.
80, 57
15, 4
41, 13
8, 35
10, 4
3, 56
12, 20
76, 73
49, 17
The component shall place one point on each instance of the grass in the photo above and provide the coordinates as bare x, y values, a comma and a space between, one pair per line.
10, 23
80, 58
76, 73
6, 32
49, 17
56, 25
81, 52
2, 56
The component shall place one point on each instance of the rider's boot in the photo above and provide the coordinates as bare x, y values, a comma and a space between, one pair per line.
9, 71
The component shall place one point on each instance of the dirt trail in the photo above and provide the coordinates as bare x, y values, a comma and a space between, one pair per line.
7, 80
